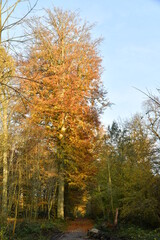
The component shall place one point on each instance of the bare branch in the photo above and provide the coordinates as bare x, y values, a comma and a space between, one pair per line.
20, 20
150, 96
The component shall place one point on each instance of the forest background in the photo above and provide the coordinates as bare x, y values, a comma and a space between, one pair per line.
56, 158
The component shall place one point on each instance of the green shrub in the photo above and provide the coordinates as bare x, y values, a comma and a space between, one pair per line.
37, 230
130, 232
3, 233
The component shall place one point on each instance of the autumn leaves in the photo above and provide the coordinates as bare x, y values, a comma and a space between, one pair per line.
59, 80
65, 63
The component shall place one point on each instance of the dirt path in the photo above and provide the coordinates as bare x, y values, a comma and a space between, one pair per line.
77, 230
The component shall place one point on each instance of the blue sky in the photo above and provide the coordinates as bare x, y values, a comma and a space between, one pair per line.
130, 50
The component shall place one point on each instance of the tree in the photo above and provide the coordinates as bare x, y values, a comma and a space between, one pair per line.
6, 71
105, 197
8, 84
152, 112
138, 175
126, 179
66, 93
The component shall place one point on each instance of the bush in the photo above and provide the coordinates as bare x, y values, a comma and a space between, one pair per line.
3, 233
36, 230
27, 228
132, 232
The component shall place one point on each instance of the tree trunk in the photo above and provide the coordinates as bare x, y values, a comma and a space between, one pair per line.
5, 180
60, 203
116, 218
110, 188
0, 22
5, 163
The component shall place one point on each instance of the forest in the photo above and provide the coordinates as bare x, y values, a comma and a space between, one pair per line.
57, 160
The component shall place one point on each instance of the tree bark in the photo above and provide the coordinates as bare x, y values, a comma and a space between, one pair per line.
116, 218
5, 163
60, 203
110, 187
0, 22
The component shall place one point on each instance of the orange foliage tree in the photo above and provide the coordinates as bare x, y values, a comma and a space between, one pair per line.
66, 94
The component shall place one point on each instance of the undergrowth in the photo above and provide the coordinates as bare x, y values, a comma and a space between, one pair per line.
130, 232
27, 230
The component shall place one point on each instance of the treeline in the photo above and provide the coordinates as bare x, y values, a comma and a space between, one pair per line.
128, 174
56, 159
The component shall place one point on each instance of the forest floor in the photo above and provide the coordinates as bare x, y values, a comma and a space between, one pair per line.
76, 230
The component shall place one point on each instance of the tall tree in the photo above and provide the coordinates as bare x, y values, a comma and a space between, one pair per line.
6, 71
67, 94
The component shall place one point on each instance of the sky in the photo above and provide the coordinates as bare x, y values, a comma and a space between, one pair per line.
130, 49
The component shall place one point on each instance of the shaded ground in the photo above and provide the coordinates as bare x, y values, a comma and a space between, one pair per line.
77, 230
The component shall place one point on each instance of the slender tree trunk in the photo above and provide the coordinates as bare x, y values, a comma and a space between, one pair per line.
110, 187
5, 163
5, 180
60, 203
116, 218
102, 203
50, 204
0, 22
5, 140
16, 211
